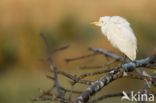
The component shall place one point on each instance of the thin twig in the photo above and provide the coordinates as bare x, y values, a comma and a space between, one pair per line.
79, 58
96, 73
64, 47
74, 79
52, 66
107, 54
98, 66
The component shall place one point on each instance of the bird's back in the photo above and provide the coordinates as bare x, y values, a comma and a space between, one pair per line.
121, 36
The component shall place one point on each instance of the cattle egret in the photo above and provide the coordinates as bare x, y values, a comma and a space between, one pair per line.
119, 33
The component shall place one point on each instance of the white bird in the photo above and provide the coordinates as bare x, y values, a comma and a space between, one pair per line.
119, 33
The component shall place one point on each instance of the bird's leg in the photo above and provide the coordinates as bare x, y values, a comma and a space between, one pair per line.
140, 71
125, 59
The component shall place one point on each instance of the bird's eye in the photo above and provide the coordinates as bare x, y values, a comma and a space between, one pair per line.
102, 22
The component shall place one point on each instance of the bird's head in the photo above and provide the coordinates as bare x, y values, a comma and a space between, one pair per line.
102, 21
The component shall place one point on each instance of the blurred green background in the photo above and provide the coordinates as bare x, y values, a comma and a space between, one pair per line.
64, 22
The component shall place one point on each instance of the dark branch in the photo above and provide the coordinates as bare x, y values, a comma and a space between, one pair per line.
79, 58
64, 95
128, 67
113, 75
52, 66
74, 79
96, 73
107, 54
98, 66
60, 48
98, 85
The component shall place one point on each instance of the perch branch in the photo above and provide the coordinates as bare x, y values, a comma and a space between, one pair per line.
98, 85
113, 75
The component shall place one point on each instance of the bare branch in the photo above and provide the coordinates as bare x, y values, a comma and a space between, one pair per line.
98, 66
98, 85
52, 66
60, 48
79, 58
96, 73
74, 79
131, 66
113, 75
110, 72
107, 54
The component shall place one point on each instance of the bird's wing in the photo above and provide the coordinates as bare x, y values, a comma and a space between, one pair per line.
122, 37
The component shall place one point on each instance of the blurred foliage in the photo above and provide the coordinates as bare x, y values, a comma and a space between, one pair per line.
71, 29
8, 55
63, 22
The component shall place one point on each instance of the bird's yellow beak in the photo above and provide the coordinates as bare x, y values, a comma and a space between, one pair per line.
96, 23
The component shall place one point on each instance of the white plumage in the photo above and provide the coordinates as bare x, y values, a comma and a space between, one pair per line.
119, 33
